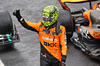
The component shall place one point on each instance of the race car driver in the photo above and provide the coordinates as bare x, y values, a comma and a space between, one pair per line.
53, 45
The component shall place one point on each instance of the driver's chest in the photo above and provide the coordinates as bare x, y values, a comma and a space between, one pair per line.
48, 35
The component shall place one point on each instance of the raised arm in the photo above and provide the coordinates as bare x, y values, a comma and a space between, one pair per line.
26, 24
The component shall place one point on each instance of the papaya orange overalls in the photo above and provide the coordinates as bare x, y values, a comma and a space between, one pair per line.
53, 46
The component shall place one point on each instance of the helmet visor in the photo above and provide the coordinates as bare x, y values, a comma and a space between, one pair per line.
45, 18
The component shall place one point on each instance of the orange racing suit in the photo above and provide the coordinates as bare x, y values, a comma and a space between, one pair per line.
53, 46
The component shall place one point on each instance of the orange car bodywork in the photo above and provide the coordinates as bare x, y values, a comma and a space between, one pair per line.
73, 0
86, 14
63, 5
62, 2
95, 34
76, 1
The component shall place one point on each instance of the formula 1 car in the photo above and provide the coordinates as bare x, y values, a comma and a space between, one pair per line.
86, 34
8, 31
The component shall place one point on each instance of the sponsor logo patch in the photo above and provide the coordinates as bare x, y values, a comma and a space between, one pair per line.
44, 55
49, 39
65, 37
50, 44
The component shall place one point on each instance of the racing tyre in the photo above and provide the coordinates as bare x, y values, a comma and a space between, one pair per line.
67, 20
6, 25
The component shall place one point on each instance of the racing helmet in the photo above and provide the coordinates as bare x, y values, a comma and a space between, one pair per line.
49, 15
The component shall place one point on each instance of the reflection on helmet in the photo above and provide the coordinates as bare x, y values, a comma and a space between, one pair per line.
49, 15
47, 18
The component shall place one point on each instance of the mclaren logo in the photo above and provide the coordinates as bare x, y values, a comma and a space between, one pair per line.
50, 44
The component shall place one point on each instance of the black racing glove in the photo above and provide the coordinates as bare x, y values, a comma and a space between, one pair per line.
17, 14
62, 64
63, 60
